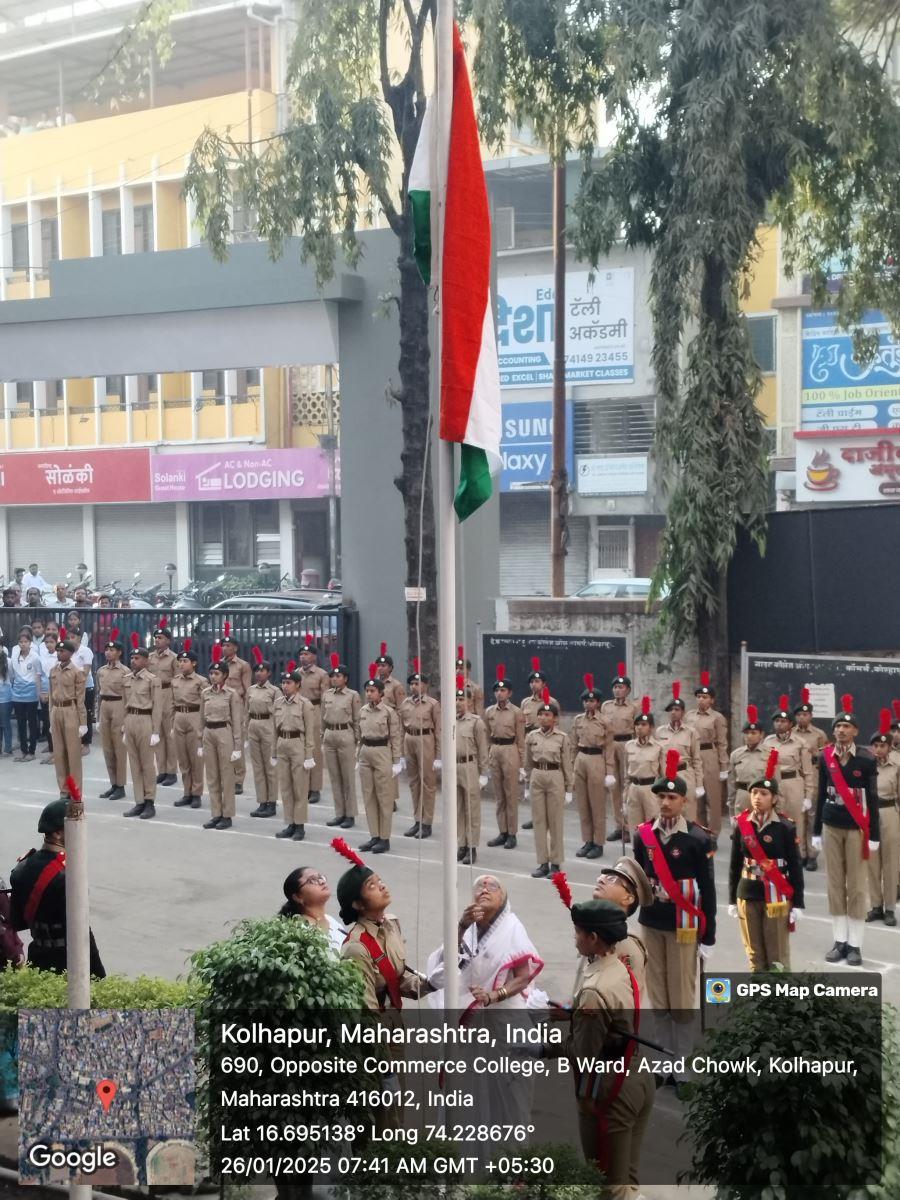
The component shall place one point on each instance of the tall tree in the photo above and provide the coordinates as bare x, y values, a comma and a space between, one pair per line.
356, 85
726, 111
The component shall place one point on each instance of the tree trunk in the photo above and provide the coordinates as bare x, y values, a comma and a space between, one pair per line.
712, 644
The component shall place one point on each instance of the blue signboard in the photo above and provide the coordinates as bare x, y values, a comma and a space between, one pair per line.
526, 445
841, 393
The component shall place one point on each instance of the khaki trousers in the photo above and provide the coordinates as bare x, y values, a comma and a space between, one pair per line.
468, 805
642, 805
766, 939
66, 745
615, 1144
671, 973
293, 781
138, 731
883, 864
377, 782
262, 751
617, 791
590, 797
504, 763
112, 713
548, 799
316, 774
419, 754
790, 802
166, 759
339, 749
240, 767
218, 746
847, 872
806, 834
710, 806
186, 733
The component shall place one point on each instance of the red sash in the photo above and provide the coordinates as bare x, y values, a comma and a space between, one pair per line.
771, 872
667, 879
43, 881
385, 967
846, 793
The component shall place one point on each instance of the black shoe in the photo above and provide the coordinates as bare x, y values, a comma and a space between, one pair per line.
542, 872
195, 801
315, 797
382, 846
224, 823
804, 863
213, 824
413, 830
425, 831
812, 864
347, 823
117, 793
270, 809
875, 914
161, 777
107, 795
528, 824
889, 918
854, 958
239, 789
554, 867
183, 802
136, 811
470, 857
615, 836
370, 844
149, 811
499, 840
595, 851
837, 952
461, 853
299, 833
261, 810
287, 832
582, 853
510, 843
335, 821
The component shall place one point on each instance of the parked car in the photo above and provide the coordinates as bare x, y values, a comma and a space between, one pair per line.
624, 588
277, 622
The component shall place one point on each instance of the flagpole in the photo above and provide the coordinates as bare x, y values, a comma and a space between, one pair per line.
445, 515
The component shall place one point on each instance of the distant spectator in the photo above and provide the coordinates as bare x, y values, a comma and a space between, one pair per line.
32, 578
10, 597
18, 575
73, 625
6, 708
26, 668
34, 598
103, 601
81, 596
47, 655
62, 596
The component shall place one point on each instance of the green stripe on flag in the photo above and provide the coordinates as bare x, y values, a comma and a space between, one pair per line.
474, 481
420, 203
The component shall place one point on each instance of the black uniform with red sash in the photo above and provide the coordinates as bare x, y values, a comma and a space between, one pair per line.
848, 794
688, 856
38, 903
748, 876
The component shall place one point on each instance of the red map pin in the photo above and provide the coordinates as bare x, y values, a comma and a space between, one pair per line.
106, 1090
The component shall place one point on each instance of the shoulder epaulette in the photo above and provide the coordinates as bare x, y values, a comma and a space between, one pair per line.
27, 854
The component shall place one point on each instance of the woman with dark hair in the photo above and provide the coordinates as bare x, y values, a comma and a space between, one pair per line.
306, 893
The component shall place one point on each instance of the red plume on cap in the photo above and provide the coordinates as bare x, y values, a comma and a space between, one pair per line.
217, 653
561, 883
847, 703
335, 661
346, 852
704, 679
545, 695
291, 667
257, 654
501, 672
135, 641
535, 664
226, 629
673, 758
804, 695
416, 665
373, 670
589, 681
676, 689
884, 721
645, 706
771, 764
309, 639
752, 714
114, 634
784, 702
163, 622
460, 683
73, 789
186, 645
460, 653
383, 651
620, 669
895, 705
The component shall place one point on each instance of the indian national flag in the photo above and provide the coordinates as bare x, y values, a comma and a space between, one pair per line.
470, 377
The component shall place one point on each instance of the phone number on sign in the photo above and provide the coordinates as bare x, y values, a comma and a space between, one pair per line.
600, 356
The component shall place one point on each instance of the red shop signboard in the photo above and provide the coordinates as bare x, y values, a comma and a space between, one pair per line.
75, 477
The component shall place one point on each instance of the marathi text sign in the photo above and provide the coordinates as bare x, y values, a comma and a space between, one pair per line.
850, 467
302, 474
75, 477
837, 391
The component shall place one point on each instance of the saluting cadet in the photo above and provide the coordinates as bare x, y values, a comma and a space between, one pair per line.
746, 763
471, 774
797, 779
538, 684
111, 690
765, 879
548, 763
313, 686
592, 749
262, 699
420, 716
476, 693
712, 734
143, 721
883, 862
380, 761
162, 665
295, 731
187, 688
68, 716
221, 719
505, 724
645, 762
619, 714
239, 678
678, 736
847, 821
815, 740
340, 733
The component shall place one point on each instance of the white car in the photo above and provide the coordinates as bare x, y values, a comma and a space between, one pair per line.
624, 588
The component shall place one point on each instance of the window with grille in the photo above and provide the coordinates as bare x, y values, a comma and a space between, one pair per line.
614, 426
25, 394
115, 390
614, 548
54, 397
19, 237
111, 226
213, 381
762, 341
49, 241
143, 228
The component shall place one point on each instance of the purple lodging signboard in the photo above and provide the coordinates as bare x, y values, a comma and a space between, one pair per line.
243, 475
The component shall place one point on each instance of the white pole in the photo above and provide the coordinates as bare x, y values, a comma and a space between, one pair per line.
446, 518
78, 946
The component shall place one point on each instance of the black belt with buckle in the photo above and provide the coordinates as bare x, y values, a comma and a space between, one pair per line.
466, 758
329, 728
138, 712
547, 766
418, 732
503, 741
110, 699
622, 737
260, 716
707, 746
62, 703
887, 803
591, 750
312, 701
374, 741
187, 708
788, 774
641, 780
217, 724
291, 733
165, 683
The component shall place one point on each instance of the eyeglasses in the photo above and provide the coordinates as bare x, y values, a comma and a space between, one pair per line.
318, 880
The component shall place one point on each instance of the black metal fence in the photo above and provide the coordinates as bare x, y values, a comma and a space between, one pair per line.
279, 632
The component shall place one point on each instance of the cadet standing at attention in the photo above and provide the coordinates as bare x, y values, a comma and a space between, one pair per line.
340, 733
380, 762
239, 678
476, 693
187, 688
68, 716
143, 717
645, 762
471, 774
111, 690
261, 701
548, 762
161, 664
747, 762
815, 740
712, 734
313, 686
505, 724
678, 736
221, 719
797, 780
619, 714
538, 684
420, 716
295, 730
592, 749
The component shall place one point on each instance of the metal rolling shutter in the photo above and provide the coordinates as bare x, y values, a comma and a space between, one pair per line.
134, 537
49, 535
525, 548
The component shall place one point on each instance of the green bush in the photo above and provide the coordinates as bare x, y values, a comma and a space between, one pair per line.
26, 987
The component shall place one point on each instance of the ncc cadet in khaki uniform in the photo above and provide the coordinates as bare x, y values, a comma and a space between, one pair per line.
471, 774
187, 688
162, 664
505, 725
747, 762
240, 679
797, 781
380, 760
68, 716
313, 686
143, 717
815, 740
676, 735
765, 881
591, 746
111, 692
619, 714
712, 733
394, 694
476, 693
848, 820
340, 734
676, 856
626, 885
538, 684
645, 761
895, 728
221, 719
262, 698
548, 763
883, 863
420, 716
295, 729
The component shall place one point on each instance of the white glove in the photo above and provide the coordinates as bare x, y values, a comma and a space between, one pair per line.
308, 764
274, 762
701, 792
438, 765
526, 793
816, 843
82, 730
568, 797
154, 739
706, 952
199, 751
402, 764
732, 910
796, 914
235, 755
522, 775
482, 781
85, 638
396, 769
610, 780
723, 774
807, 804
873, 846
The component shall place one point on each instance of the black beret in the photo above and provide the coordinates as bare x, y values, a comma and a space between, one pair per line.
601, 917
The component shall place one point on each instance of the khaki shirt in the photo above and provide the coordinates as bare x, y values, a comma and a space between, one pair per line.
552, 747
814, 739
472, 740
111, 681
187, 689
261, 699
420, 714
394, 692
888, 781
712, 733
793, 756
619, 717
341, 707
508, 722
530, 706
633, 953
163, 666
222, 704
240, 677
606, 992
67, 685
313, 684
143, 691
644, 760
592, 732
388, 936
746, 766
297, 713
378, 721
686, 742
